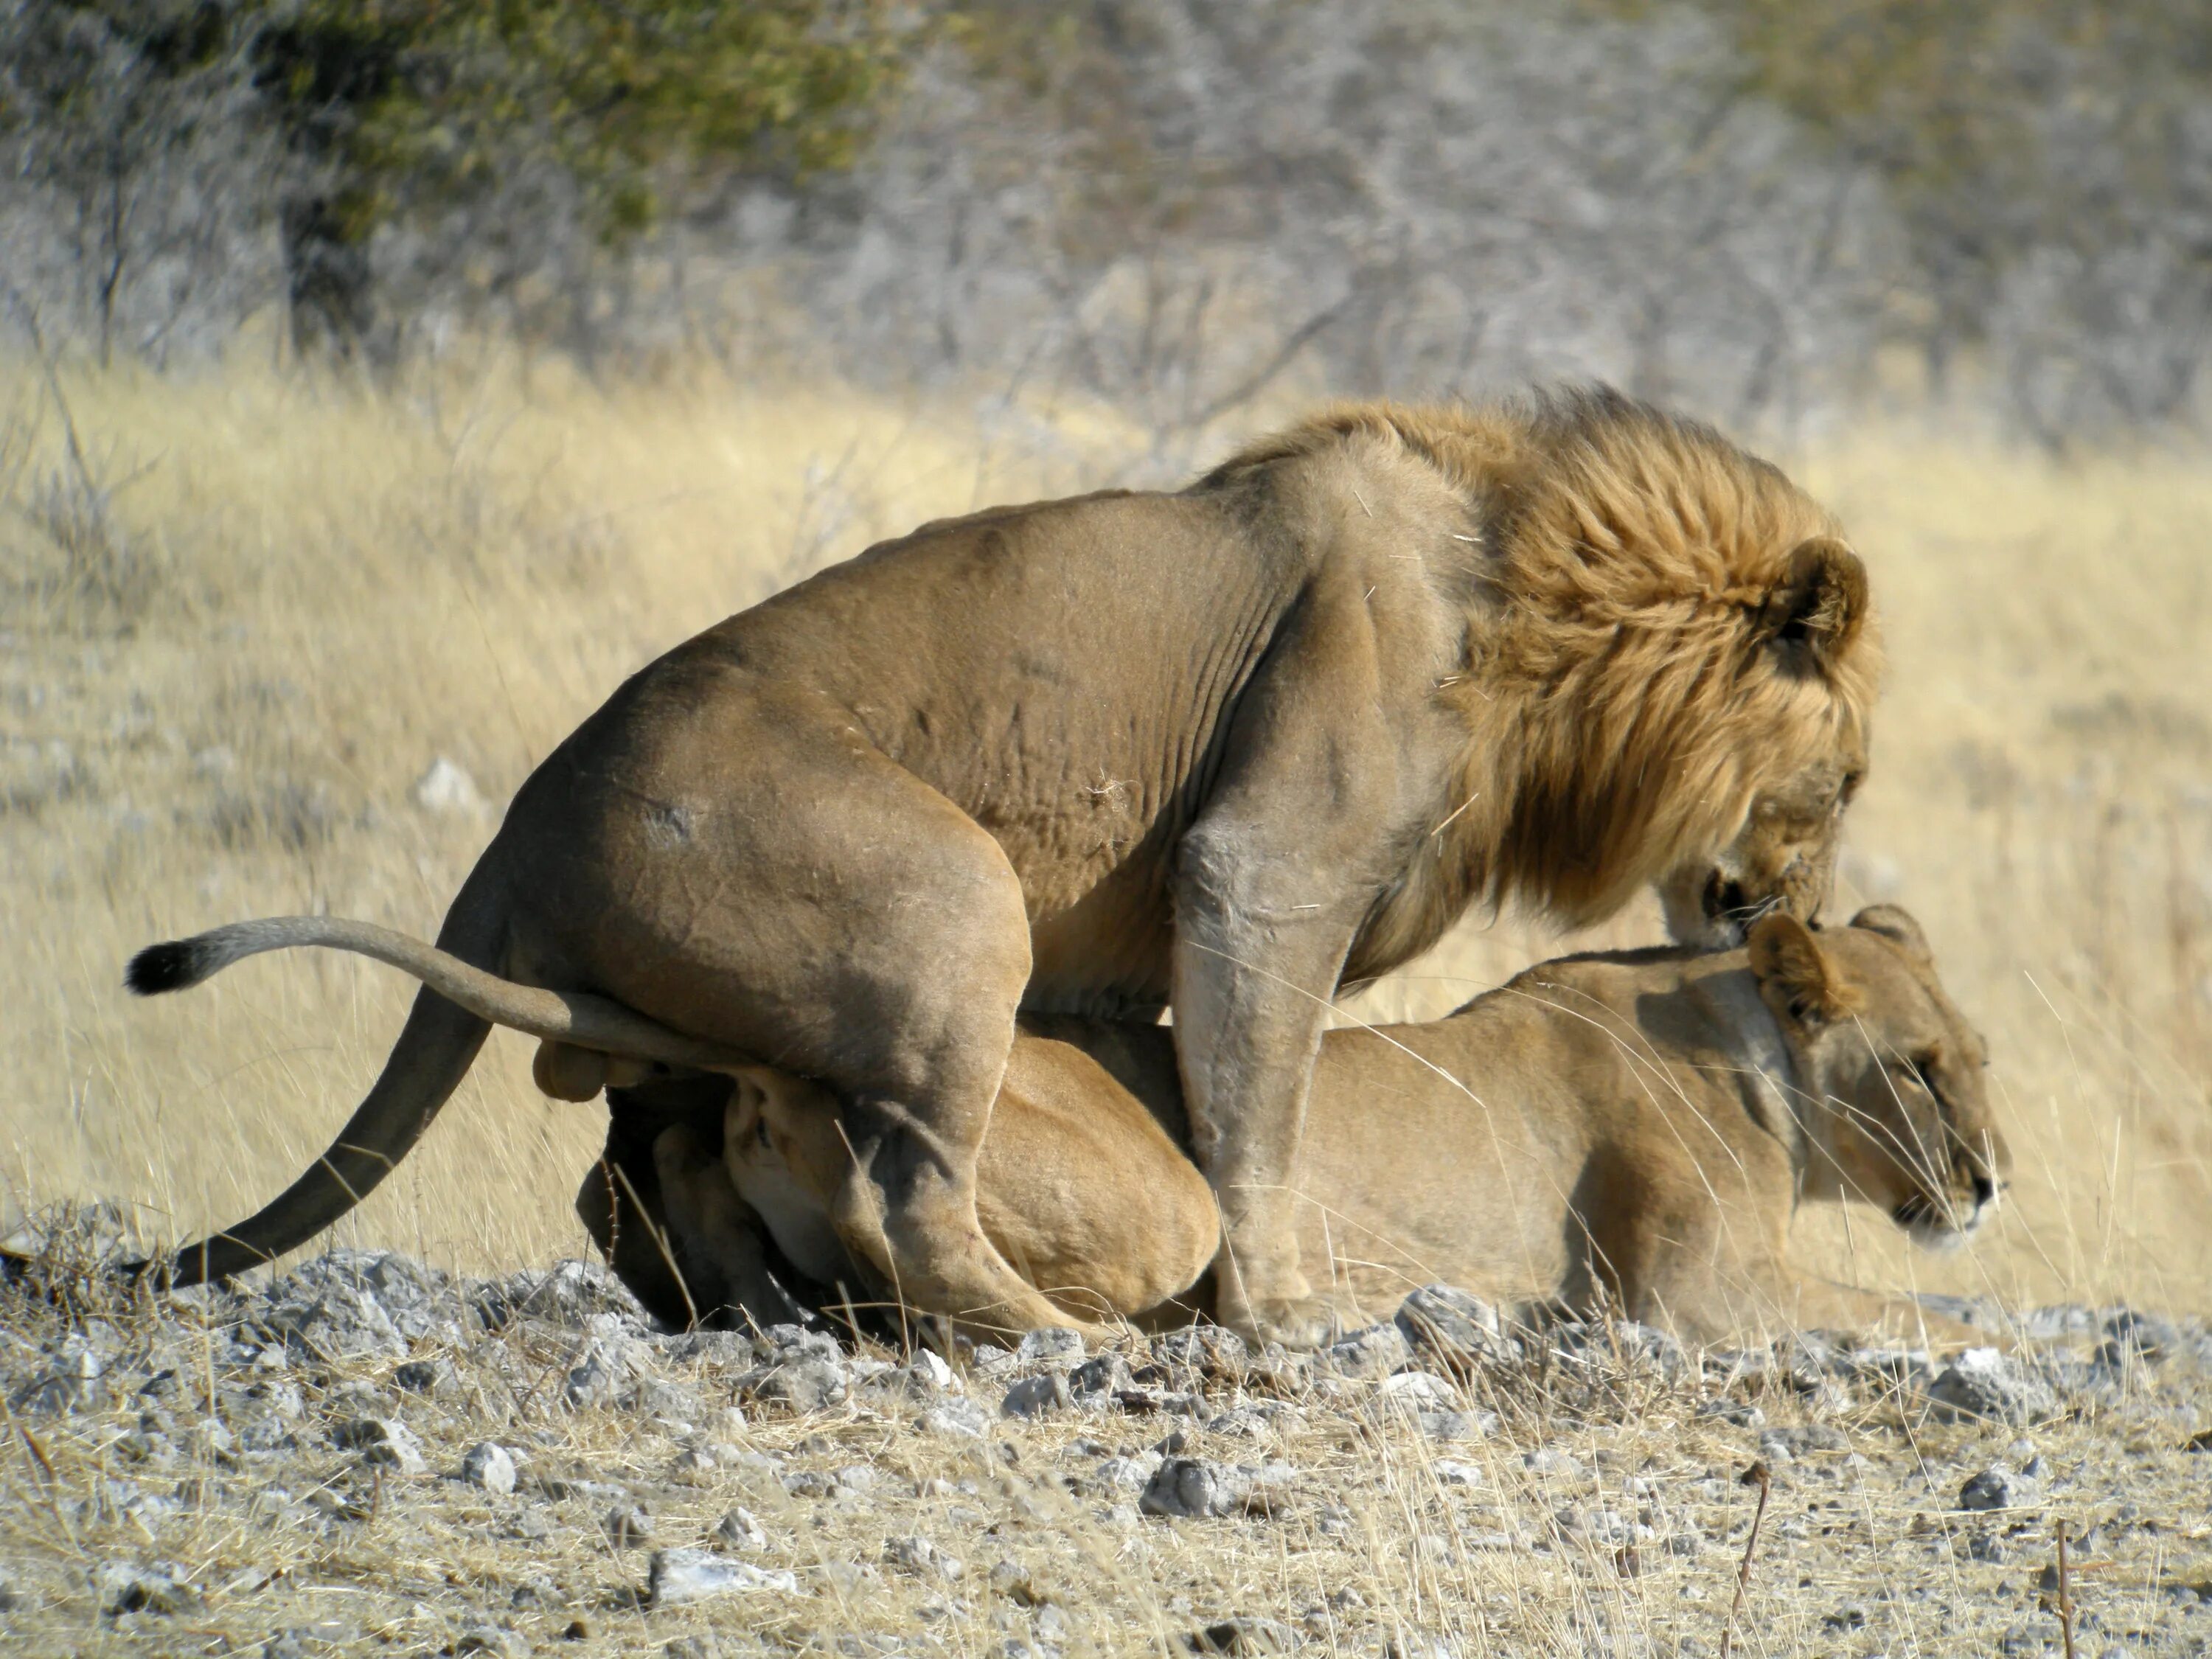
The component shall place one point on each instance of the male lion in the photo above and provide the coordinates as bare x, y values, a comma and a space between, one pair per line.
1227, 747
1647, 1123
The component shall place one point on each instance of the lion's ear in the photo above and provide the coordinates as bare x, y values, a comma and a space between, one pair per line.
1820, 605
1894, 923
1795, 975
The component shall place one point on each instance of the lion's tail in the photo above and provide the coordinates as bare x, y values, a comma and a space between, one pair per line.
460, 1002
573, 1017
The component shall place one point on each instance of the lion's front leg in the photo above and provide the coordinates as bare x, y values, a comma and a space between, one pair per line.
1253, 980
1320, 795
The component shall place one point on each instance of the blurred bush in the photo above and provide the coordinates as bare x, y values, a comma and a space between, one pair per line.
1756, 207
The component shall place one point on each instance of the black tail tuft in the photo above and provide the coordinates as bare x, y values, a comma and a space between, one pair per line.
175, 965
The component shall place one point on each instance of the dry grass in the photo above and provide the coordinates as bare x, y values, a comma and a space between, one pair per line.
250, 610
1622, 1534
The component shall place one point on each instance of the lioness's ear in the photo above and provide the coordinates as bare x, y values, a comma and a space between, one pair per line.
748, 1101
1892, 922
1820, 605
1794, 973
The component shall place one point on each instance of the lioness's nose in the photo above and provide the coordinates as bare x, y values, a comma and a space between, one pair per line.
1985, 1190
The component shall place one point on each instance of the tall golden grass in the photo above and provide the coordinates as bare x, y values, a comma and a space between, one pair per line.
245, 612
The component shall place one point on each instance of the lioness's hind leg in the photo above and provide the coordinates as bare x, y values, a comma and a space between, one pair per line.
714, 1237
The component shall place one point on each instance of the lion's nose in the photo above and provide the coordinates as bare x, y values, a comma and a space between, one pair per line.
1723, 898
1985, 1191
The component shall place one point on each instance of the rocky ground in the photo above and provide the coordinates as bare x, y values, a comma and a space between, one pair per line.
368, 1454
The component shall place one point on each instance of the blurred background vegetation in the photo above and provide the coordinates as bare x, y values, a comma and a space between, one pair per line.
1765, 210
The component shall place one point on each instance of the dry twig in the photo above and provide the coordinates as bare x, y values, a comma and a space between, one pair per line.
1756, 1475
2065, 1593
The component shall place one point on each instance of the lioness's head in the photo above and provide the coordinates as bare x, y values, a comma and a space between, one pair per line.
1897, 1105
782, 1151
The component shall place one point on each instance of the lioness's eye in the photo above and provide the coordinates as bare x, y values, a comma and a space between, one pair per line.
1924, 1073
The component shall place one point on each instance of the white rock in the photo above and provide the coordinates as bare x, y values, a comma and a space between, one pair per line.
1449, 1327
1421, 1389
957, 1419
928, 1370
1128, 1474
859, 1477
1195, 1486
680, 1576
1448, 1426
1375, 1351
1983, 1383
446, 789
1550, 1461
1051, 1344
491, 1466
1036, 1396
741, 1529
382, 1440
918, 1555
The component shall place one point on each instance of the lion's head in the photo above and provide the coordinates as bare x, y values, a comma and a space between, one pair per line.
1680, 690
1897, 1104
1783, 856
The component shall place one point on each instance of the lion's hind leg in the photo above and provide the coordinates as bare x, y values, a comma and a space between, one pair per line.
825, 907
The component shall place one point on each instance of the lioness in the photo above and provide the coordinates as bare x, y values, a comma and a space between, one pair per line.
1229, 747
1630, 1129
1647, 1123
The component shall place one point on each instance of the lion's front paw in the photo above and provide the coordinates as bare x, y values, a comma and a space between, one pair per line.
1305, 1321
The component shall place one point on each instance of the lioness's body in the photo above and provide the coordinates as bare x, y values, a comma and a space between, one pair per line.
1224, 747
1632, 1130
1083, 1181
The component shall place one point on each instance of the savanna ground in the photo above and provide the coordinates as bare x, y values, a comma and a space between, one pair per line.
246, 613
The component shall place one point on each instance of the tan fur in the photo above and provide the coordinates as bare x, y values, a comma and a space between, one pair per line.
1049, 1156
1225, 748
1630, 1132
